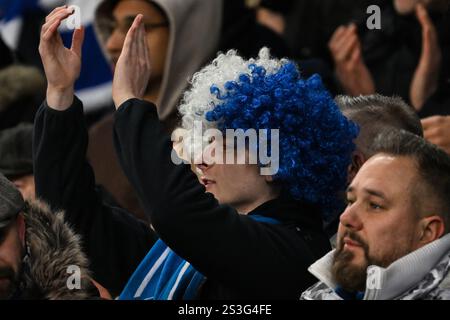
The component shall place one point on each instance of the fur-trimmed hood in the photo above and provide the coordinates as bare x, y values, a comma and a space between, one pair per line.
52, 247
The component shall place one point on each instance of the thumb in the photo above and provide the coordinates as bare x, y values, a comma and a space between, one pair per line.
77, 41
422, 16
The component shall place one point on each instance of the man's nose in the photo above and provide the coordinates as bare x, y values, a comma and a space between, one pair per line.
350, 218
204, 164
202, 167
115, 41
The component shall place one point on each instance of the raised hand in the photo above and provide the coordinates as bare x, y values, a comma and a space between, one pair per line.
436, 129
132, 71
351, 70
426, 77
62, 65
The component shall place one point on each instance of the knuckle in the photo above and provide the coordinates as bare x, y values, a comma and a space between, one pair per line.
438, 141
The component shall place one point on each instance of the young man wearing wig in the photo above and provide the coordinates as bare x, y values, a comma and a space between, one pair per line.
249, 235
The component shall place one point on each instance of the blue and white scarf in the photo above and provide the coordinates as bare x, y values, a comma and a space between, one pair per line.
163, 275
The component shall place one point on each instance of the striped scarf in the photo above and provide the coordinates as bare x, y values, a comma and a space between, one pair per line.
163, 275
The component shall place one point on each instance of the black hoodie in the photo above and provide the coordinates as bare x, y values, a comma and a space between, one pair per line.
241, 258
113, 240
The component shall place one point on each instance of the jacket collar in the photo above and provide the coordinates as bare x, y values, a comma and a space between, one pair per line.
289, 211
393, 281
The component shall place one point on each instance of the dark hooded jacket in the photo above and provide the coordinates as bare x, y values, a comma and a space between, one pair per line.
271, 261
113, 240
241, 258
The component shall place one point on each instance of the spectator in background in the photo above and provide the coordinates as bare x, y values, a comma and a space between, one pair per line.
407, 57
37, 247
16, 158
374, 114
21, 87
182, 35
307, 25
394, 236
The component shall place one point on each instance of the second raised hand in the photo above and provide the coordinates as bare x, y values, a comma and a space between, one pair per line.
426, 76
132, 71
61, 65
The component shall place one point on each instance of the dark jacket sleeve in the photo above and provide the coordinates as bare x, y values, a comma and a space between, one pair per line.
114, 240
258, 259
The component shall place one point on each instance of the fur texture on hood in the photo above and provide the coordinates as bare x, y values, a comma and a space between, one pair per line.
52, 247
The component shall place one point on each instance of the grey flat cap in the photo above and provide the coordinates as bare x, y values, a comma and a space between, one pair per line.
16, 158
11, 201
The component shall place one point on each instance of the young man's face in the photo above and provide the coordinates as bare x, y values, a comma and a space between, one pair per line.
157, 37
11, 252
380, 223
239, 185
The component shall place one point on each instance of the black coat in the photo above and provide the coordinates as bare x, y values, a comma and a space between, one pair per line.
240, 257
114, 240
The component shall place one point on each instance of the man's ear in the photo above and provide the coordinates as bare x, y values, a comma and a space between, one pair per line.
21, 227
358, 160
431, 228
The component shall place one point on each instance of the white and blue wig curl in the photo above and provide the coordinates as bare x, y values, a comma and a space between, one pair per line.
315, 139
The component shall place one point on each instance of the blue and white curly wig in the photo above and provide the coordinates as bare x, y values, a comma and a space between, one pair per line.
315, 139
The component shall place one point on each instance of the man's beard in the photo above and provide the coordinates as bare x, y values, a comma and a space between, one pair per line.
353, 277
349, 276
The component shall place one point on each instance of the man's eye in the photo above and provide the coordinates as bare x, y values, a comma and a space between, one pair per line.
350, 202
375, 206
